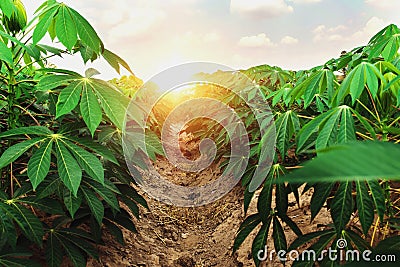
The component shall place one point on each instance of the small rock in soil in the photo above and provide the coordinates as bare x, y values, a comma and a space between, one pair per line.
185, 261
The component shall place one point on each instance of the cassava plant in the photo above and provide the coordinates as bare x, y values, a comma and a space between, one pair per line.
60, 186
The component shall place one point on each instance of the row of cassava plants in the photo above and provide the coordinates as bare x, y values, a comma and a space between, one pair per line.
60, 185
355, 97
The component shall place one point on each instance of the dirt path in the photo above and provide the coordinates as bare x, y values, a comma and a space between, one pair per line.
202, 236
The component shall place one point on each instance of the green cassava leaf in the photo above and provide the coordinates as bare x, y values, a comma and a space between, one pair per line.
15, 151
94, 204
260, 242
72, 202
39, 163
69, 170
286, 125
54, 251
350, 161
342, 206
43, 24
87, 161
245, 229
53, 81
115, 61
90, 109
31, 130
69, 98
6, 54
113, 102
65, 27
95, 147
365, 206
86, 32
378, 197
307, 132
265, 200
278, 235
26, 220
321, 193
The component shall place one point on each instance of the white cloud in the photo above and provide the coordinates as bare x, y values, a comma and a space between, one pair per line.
136, 22
259, 40
383, 4
289, 40
260, 8
323, 33
349, 36
372, 26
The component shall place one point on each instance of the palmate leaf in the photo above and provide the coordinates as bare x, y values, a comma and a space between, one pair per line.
286, 125
95, 147
385, 42
260, 241
245, 229
350, 161
65, 27
265, 200
342, 206
79, 240
115, 61
338, 128
71, 202
307, 132
29, 224
86, 32
74, 253
43, 24
69, 170
69, 98
105, 193
90, 109
364, 206
317, 247
278, 235
94, 204
378, 197
15, 151
39, 163
321, 193
87, 161
54, 251
31, 130
6, 54
364, 74
53, 81
113, 102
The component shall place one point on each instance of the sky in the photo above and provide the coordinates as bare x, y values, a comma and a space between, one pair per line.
153, 35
